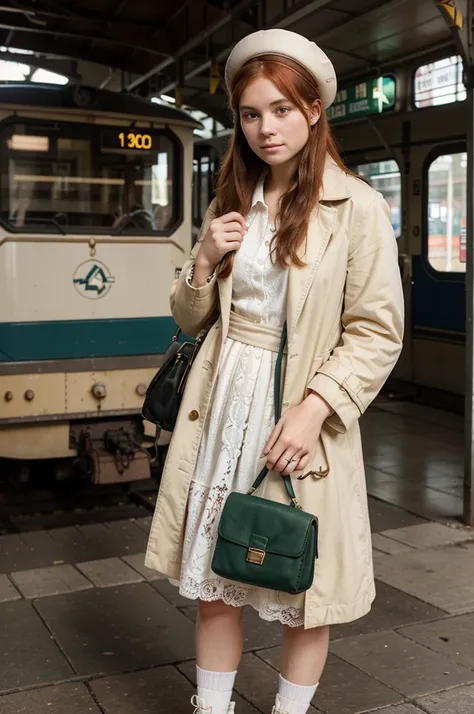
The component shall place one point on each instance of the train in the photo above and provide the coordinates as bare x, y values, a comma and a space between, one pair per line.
95, 222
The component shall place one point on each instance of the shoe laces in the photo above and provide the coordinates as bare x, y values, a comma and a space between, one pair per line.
200, 705
276, 709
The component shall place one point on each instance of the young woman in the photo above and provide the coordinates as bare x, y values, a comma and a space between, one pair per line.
292, 235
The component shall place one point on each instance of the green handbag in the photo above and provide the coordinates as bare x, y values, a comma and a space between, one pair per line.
264, 543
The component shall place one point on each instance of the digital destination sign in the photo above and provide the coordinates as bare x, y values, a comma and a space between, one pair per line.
126, 140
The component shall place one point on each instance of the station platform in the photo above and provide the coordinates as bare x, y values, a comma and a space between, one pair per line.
85, 628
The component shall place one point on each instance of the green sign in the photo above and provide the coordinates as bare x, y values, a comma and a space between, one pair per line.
371, 97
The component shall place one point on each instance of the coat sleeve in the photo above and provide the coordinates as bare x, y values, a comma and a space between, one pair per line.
372, 321
192, 307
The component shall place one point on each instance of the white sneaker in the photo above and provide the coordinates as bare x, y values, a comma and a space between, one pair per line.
202, 708
276, 709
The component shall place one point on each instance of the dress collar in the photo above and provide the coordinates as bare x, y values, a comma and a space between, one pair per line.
258, 194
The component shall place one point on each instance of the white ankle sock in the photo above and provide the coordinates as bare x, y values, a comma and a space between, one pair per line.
215, 688
293, 698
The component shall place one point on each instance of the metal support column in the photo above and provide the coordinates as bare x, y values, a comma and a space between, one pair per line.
459, 17
469, 394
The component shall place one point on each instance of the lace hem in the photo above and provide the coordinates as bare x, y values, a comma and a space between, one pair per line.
236, 595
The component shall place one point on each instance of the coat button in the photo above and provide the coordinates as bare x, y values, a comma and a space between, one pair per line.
193, 415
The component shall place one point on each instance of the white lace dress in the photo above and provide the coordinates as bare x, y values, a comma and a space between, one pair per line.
239, 423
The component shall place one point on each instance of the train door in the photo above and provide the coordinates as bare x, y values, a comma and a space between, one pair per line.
439, 264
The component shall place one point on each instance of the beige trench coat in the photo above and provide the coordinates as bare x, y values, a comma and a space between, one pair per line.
345, 325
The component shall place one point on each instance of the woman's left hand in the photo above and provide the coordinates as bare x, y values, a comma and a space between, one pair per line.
294, 437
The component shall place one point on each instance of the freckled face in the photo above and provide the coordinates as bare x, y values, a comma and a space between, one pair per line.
276, 130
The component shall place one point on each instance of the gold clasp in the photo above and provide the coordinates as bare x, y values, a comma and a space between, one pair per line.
256, 556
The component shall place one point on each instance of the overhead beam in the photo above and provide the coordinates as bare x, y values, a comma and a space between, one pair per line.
299, 12
199, 39
296, 14
74, 51
92, 20
302, 10
124, 38
62, 66
427, 54
324, 37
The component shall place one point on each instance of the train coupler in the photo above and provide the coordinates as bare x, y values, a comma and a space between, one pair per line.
118, 458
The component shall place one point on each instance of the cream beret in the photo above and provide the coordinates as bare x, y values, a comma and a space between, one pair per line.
291, 45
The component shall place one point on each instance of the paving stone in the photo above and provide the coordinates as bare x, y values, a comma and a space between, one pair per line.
344, 689
441, 576
109, 630
132, 539
428, 535
384, 516
400, 663
95, 541
92, 541
7, 590
144, 523
28, 654
401, 709
188, 669
424, 414
171, 593
387, 545
452, 637
258, 633
393, 452
456, 701
258, 683
71, 698
162, 689
109, 572
21, 551
49, 581
437, 506
391, 608
137, 562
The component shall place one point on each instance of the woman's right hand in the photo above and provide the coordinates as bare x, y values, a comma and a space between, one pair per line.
224, 234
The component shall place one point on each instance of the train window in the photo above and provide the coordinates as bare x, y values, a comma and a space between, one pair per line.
447, 206
439, 82
73, 178
385, 177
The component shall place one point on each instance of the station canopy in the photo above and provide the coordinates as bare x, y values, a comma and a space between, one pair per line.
176, 49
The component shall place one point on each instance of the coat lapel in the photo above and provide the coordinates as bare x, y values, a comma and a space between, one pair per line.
320, 229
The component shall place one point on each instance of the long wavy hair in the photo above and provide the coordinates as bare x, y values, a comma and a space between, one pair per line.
241, 168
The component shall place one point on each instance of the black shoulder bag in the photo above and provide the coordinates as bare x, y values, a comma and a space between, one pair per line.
165, 391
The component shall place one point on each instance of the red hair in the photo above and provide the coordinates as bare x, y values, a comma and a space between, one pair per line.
241, 168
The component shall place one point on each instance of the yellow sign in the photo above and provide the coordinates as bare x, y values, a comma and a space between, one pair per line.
215, 78
453, 16
135, 141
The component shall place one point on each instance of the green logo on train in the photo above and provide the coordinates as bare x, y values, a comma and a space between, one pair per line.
93, 279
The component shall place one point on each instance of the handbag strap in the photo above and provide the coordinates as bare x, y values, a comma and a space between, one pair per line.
277, 392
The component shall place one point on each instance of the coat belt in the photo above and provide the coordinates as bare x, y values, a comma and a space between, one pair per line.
257, 334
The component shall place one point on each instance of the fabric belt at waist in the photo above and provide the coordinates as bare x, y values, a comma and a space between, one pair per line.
253, 333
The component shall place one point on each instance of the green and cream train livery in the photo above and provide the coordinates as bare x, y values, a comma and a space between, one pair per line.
95, 220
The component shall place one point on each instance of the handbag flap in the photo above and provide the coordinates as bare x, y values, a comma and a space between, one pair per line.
246, 520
